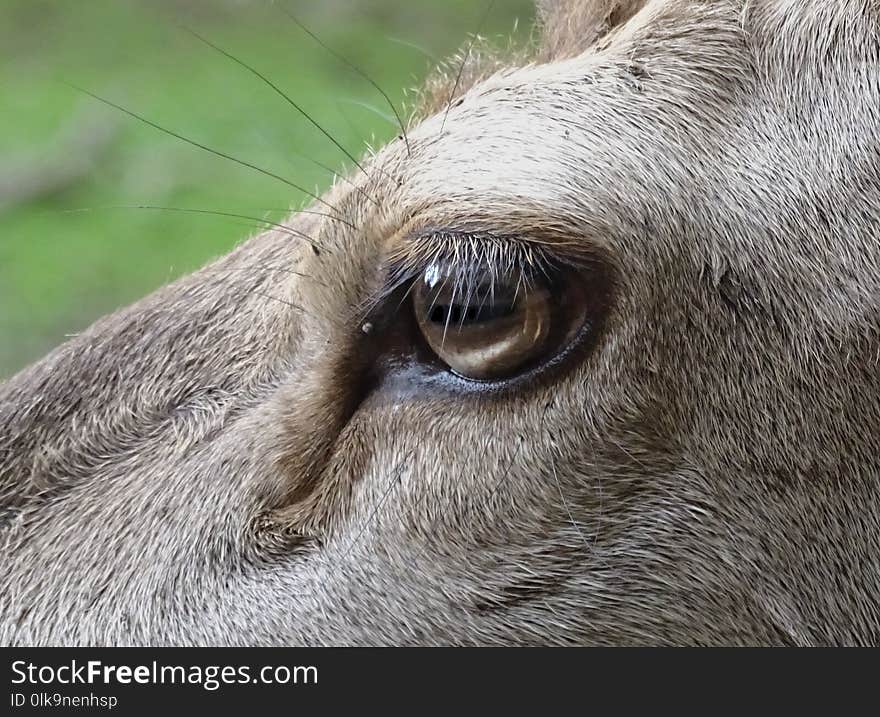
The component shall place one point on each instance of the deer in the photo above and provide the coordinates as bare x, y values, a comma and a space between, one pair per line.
588, 355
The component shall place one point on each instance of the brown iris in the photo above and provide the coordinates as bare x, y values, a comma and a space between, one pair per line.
487, 331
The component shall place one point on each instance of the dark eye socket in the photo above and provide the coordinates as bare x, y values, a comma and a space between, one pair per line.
492, 326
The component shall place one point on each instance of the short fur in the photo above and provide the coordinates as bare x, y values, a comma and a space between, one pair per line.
205, 468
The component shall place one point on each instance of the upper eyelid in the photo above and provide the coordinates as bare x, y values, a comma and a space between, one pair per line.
463, 248
414, 254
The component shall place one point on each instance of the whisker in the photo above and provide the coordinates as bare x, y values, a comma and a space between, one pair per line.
348, 63
590, 548
256, 267
423, 549
282, 301
212, 212
464, 62
418, 48
501, 481
351, 126
366, 524
210, 150
394, 482
340, 175
568, 510
282, 94
375, 110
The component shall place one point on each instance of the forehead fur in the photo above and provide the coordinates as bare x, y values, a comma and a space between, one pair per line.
817, 27
571, 26
565, 28
805, 36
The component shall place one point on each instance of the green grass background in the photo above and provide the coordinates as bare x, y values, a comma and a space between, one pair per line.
65, 256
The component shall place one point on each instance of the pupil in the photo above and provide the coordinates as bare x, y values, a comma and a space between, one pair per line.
470, 313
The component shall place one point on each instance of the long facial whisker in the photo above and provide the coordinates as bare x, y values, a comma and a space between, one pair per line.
373, 513
281, 94
265, 222
353, 128
224, 275
369, 148
209, 211
413, 46
500, 483
334, 173
364, 105
504, 476
268, 268
282, 301
350, 65
423, 549
199, 145
464, 61
590, 548
232, 215
568, 510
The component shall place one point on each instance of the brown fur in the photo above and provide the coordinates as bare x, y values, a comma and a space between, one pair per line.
211, 466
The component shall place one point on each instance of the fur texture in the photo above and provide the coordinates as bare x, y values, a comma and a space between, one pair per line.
205, 467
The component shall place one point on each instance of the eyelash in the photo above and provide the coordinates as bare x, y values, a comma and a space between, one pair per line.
579, 284
466, 260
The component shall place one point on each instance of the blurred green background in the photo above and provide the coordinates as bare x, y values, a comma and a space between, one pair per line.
67, 255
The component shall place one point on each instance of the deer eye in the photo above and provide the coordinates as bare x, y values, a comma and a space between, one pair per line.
492, 327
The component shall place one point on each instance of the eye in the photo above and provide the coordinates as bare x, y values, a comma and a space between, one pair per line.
490, 327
